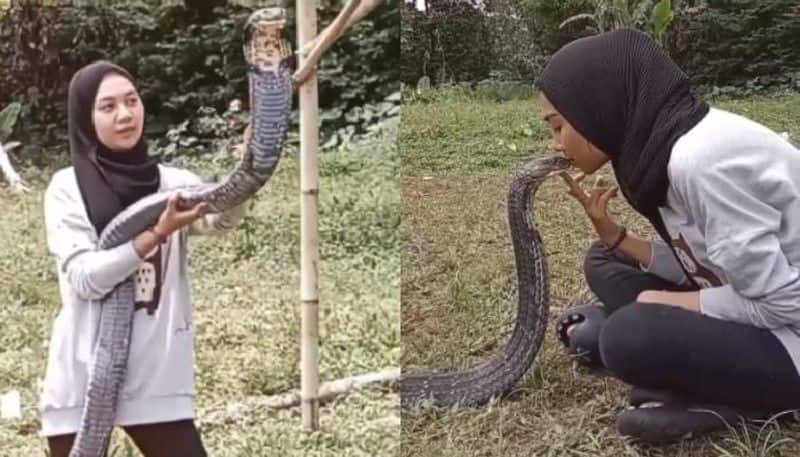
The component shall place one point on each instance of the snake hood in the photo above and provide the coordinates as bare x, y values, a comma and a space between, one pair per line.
623, 93
108, 181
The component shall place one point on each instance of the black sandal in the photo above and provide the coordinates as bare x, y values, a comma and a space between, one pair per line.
582, 341
660, 416
669, 423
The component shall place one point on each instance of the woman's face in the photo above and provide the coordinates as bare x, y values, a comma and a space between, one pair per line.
566, 140
118, 114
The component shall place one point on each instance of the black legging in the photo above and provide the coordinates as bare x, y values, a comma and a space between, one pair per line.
168, 439
669, 348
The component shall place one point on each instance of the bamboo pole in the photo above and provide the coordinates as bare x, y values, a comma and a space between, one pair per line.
305, 80
309, 232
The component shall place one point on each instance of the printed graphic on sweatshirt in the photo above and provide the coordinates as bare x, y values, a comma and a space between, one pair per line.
702, 276
147, 283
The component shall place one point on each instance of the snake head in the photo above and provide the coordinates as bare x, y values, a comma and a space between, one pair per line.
541, 167
265, 44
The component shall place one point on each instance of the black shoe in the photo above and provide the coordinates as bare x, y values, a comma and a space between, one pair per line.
645, 397
582, 342
671, 423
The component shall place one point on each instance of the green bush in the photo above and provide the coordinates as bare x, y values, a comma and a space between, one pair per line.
726, 46
458, 42
751, 44
544, 17
186, 56
450, 43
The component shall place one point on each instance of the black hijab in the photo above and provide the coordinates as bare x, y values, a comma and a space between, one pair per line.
108, 180
623, 93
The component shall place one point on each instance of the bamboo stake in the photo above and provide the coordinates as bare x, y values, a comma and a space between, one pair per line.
328, 391
312, 50
309, 231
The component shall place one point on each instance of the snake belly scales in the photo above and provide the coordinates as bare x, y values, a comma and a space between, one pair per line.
270, 67
498, 374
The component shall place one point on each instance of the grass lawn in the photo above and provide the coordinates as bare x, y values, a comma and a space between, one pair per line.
458, 152
246, 290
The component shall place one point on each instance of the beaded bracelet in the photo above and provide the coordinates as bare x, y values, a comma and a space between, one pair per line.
622, 234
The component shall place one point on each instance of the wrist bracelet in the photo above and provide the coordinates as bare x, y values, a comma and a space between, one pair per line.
159, 237
622, 234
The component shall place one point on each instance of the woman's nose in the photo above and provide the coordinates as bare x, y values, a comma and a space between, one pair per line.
124, 112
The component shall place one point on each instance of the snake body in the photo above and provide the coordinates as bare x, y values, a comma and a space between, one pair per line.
270, 80
498, 374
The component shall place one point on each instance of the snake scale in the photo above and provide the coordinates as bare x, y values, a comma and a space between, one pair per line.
498, 374
270, 65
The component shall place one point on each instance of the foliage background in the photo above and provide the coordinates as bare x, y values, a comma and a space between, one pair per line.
726, 46
186, 56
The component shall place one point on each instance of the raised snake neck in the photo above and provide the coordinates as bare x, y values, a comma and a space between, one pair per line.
498, 374
270, 76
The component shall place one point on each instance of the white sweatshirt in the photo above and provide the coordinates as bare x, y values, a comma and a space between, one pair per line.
733, 214
159, 384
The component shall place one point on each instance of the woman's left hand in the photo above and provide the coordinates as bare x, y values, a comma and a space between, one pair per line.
174, 218
685, 300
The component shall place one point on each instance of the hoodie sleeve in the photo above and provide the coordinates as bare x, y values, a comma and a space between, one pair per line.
735, 199
91, 272
663, 263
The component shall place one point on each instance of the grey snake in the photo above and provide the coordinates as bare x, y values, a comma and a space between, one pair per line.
498, 374
270, 66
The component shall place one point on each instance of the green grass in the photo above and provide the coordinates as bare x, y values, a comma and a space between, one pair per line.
246, 290
458, 288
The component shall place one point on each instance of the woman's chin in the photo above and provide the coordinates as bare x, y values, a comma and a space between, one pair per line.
122, 146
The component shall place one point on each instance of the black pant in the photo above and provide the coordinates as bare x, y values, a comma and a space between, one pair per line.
168, 439
669, 348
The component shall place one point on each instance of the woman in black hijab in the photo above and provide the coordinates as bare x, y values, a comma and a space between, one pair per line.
706, 315
109, 152
111, 170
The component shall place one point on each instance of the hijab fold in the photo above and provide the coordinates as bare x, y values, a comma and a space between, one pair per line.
623, 93
109, 181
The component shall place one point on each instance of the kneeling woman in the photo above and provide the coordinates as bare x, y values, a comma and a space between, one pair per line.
708, 316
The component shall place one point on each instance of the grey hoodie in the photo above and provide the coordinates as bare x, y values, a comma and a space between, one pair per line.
733, 215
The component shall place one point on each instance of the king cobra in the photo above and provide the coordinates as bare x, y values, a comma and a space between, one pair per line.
270, 65
499, 373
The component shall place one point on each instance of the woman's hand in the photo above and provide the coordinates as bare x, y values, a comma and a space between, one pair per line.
173, 218
595, 203
686, 300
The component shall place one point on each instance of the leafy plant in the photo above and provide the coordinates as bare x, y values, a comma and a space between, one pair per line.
8, 119
614, 14
660, 18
